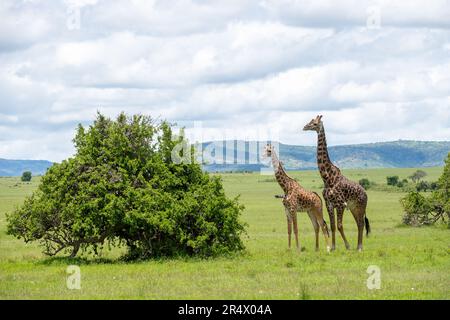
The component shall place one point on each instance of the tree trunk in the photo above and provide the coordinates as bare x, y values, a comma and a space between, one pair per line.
76, 248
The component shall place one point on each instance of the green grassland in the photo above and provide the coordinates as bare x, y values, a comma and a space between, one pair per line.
414, 262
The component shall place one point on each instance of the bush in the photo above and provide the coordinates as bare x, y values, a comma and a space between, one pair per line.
418, 175
423, 186
26, 176
420, 210
434, 186
122, 187
365, 183
417, 209
392, 181
400, 184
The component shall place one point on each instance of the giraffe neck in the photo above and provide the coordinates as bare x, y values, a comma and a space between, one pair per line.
327, 169
282, 178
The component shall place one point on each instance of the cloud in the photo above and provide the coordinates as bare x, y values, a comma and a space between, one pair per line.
354, 13
246, 69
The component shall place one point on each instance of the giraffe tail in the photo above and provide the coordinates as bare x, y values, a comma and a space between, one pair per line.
280, 196
367, 226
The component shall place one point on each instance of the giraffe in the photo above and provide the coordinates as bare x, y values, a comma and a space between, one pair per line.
339, 192
297, 199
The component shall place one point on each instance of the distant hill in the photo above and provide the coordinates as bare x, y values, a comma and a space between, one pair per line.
246, 156
12, 168
241, 155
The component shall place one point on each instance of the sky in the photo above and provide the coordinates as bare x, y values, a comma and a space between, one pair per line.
234, 69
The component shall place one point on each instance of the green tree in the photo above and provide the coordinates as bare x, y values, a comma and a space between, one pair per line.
392, 180
441, 196
26, 176
365, 183
418, 175
423, 186
122, 187
434, 186
417, 209
444, 180
421, 210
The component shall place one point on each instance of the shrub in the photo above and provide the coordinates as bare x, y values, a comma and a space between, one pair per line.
440, 198
392, 180
122, 187
417, 208
434, 186
400, 184
423, 186
365, 183
420, 210
26, 176
418, 175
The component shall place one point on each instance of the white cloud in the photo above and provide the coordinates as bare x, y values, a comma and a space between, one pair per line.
249, 67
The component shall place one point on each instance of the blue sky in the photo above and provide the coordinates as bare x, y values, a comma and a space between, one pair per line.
376, 70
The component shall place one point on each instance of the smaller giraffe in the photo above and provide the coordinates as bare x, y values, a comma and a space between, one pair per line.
297, 199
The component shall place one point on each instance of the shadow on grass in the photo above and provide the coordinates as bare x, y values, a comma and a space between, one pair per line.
92, 260
77, 261
438, 225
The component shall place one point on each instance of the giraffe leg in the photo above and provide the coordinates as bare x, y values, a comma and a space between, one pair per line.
358, 214
289, 225
340, 216
296, 230
330, 210
321, 222
316, 227
324, 228
360, 233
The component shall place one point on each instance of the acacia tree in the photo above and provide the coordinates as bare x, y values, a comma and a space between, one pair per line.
122, 187
418, 175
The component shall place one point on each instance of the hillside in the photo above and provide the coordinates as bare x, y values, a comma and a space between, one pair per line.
246, 156
240, 155
12, 168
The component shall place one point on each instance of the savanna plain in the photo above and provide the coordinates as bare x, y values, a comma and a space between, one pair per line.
414, 262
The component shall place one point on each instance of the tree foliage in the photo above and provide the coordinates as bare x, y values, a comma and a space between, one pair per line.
421, 210
417, 209
392, 180
122, 187
365, 183
26, 176
418, 175
423, 186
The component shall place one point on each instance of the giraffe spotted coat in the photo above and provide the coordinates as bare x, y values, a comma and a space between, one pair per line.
298, 199
339, 192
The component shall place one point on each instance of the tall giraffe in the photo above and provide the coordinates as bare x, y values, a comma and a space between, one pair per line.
297, 199
339, 192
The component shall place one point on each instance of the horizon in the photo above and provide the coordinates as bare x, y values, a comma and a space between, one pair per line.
263, 141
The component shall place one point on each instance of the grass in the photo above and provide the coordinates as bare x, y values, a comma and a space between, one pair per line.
414, 262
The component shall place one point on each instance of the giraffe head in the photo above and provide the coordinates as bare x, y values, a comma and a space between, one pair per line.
268, 149
314, 125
